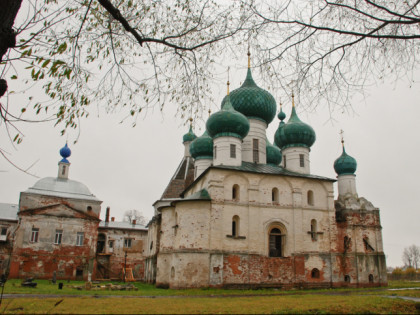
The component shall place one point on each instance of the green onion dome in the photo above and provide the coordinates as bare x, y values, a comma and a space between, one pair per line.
281, 115
253, 101
227, 122
295, 133
345, 164
202, 147
274, 155
189, 136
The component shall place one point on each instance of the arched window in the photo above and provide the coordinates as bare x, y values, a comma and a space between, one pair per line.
314, 235
275, 195
235, 226
371, 278
276, 243
315, 273
235, 192
347, 278
310, 198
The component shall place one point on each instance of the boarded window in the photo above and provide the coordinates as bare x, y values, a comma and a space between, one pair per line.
255, 152
276, 240
235, 192
58, 237
34, 235
314, 231
275, 195
310, 198
233, 151
235, 226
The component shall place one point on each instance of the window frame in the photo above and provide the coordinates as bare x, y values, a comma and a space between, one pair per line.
233, 151
128, 242
255, 151
278, 238
58, 239
302, 160
34, 235
80, 238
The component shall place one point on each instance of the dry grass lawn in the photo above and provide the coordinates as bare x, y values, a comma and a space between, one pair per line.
301, 304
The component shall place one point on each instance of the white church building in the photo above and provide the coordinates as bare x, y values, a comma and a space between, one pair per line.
243, 212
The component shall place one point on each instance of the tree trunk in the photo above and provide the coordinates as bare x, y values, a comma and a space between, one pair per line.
8, 12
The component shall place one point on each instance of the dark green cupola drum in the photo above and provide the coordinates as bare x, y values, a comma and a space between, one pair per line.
345, 164
227, 122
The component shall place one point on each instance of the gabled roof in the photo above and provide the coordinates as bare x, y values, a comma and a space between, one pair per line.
53, 210
250, 167
183, 177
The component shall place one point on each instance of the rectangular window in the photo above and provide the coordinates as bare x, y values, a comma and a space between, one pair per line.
58, 237
215, 152
34, 235
111, 244
255, 153
284, 161
127, 242
80, 238
302, 160
3, 230
233, 151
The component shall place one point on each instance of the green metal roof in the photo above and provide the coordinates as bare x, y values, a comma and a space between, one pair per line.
202, 147
345, 164
274, 155
227, 122
202, 194
268, 169
253, 101
295, 133
250, 167
189, 136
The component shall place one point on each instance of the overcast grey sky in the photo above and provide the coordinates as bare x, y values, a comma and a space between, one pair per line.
128, 168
